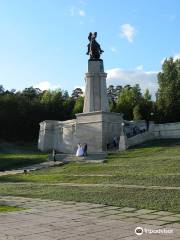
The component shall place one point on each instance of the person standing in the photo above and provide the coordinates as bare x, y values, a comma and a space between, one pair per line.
85, 149
79, 152
115, 141
54, 155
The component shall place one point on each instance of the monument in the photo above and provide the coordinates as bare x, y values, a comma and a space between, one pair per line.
96, 126
95, 91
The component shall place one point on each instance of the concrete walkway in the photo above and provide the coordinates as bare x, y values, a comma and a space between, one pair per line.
31, 168
55, 220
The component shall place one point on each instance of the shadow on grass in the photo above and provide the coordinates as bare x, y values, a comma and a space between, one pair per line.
169, 142
19, 162
148, 148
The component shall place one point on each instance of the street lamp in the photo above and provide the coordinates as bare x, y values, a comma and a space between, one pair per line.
122, 124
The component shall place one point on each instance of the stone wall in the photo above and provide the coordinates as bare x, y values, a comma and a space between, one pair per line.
156, 131
97, 129
57, 135
112, 126
64, 136
140, 138
46, 135
167, 130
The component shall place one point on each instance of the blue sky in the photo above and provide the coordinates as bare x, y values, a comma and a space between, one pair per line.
43, 42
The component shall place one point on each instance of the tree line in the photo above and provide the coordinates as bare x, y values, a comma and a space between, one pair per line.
22, 111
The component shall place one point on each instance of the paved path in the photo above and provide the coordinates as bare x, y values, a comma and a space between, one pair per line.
31, 168
55, 220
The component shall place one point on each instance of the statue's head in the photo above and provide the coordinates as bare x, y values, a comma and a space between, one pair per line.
92, 36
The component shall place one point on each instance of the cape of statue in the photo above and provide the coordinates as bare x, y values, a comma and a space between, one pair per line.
94, 48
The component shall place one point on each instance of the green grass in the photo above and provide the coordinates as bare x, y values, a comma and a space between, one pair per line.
156, 163
123, 197
14, 157
5, 208
151, 164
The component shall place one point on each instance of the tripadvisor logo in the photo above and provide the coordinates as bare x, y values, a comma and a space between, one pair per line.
138, 231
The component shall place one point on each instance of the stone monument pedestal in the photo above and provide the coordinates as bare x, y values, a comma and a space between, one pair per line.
96, 126
97, 129
95, 89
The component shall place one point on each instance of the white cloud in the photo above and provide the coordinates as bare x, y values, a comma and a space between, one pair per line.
113, 49
45, 85
145, 79
82, 13
82, 87
128, 32
74, 11
175, 57
139, 68
162, 60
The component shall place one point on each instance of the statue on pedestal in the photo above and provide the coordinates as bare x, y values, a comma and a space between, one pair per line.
94, 48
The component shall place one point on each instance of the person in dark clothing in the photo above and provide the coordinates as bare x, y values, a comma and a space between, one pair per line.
147, 125
85, 149
115, 141
54, 155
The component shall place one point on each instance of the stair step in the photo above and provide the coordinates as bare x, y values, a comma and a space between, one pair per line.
97, 157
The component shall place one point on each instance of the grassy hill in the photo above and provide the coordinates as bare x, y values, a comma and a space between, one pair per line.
14, 156
147, 176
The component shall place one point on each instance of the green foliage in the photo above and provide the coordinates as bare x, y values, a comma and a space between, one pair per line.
128, 99
113, 92
77, 92
78, 107
21, 112
137, 112
168, 95
144, 109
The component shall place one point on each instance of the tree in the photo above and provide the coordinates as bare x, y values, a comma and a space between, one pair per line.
137, 112
77, 92
31, 92
78, 107
128, 99
113, 92
2, 89
168, 95
144, 107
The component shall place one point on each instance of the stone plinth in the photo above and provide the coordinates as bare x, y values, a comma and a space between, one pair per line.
95, 91
97, 129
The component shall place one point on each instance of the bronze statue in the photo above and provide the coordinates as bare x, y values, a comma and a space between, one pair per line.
94, 49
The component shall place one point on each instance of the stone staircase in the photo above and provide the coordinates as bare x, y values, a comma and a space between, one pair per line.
91, 158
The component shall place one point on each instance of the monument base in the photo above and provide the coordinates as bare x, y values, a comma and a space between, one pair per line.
95, 88
97, 129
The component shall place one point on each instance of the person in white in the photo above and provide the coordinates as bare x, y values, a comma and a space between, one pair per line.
80, 151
